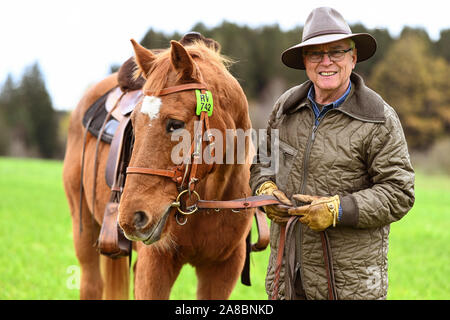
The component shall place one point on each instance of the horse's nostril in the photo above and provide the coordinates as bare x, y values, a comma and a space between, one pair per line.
140, 219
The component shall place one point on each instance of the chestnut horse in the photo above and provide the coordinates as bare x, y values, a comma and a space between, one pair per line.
213, 242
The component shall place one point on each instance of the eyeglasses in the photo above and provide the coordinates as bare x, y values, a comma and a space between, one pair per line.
334, 55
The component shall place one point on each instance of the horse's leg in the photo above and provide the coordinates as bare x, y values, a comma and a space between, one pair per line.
91, 282
91, 285
217, 280
155, 273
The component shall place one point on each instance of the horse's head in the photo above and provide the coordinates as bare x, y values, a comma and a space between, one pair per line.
165, 111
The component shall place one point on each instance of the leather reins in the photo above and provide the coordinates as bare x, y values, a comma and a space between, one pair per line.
179, 173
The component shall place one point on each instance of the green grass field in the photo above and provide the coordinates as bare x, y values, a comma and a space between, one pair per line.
37, 259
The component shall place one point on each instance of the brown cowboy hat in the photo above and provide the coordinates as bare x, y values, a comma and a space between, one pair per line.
325, 25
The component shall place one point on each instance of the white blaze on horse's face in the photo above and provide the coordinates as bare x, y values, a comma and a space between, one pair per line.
151, 106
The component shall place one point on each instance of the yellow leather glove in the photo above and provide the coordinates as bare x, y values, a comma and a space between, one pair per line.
321, 213
276, 213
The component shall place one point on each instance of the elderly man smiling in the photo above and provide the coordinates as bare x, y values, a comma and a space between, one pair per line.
343, 168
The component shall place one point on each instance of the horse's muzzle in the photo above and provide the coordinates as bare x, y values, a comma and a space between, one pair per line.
142, 232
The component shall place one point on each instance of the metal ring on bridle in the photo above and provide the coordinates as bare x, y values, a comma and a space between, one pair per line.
178, 201
178, 219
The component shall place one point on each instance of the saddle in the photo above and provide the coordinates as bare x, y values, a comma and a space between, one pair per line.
108, 119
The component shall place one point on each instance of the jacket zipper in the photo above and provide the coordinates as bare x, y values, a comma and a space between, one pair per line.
308, 151
309, 146
302, 189
303, 186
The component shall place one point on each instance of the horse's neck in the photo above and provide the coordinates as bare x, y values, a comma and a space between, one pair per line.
226, 182
231, 181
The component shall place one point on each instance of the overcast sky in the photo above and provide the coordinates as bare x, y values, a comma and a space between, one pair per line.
75, 42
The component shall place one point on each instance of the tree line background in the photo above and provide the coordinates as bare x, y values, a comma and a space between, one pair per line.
411, 72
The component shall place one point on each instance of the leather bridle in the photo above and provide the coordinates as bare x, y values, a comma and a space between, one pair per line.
184, 177
179, 173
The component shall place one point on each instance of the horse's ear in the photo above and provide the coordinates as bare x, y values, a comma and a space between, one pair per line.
182, 62
144, 57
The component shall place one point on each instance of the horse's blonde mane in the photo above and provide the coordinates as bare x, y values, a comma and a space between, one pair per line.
202, 50
198, 50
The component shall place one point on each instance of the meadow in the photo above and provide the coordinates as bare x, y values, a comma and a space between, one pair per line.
38, 260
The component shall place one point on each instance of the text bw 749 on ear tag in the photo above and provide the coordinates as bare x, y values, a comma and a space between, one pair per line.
204, 102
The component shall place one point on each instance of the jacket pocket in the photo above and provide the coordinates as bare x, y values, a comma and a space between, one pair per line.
283, 167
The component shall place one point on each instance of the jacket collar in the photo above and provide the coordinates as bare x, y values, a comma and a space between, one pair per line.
362, 102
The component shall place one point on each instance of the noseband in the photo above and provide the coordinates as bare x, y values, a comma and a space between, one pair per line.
179, 173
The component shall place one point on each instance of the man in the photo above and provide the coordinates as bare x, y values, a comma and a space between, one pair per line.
344, 172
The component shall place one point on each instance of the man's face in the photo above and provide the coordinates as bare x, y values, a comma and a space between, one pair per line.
330, 76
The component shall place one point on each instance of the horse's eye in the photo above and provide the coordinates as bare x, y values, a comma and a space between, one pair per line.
173, 125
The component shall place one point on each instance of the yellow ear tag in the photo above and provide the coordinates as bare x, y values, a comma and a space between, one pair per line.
204, 102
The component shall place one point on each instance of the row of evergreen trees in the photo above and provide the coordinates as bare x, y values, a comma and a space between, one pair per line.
28, 122
410, 72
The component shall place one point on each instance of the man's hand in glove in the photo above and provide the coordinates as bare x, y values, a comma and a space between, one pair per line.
321, 213
277, 213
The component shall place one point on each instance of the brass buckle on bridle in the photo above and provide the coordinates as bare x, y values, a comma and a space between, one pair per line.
177, 204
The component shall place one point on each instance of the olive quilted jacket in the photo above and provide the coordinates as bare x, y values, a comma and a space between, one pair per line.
357, 151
